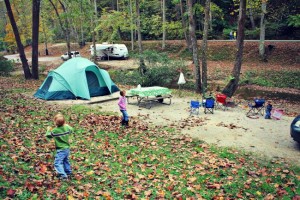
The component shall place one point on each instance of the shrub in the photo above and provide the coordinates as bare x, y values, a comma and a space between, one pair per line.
281, 79
160, 71
252, 34
224, 53
42, 69
5, 67
226, 32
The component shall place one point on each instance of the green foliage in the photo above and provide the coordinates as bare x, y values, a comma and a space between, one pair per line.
224, 53
226, 32
42, 69
294, 20
152, 58
110, 23
281, 79
174, 30
252, 34
151, 26
161, 70
274, 29
2, 44
5, 67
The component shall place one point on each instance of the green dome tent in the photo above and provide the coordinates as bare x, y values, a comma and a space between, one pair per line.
76, 78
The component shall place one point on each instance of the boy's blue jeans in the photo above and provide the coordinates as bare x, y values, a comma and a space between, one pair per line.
62, 163
125, 115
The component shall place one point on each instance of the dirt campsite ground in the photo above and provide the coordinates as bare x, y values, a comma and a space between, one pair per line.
230, 128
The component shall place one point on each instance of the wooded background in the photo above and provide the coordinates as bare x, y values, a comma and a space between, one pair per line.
115, 20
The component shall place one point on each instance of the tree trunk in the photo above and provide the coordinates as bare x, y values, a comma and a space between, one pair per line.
131, 26
65, 30
45, 38
81, 27
35, 38
232, 86
210, 18
262, 29
142, 66
25, 65
204, 46
46, 42
94, 47
96, 18
94, 32
74, 30
164, 23
251, 15
194, 45
183, 22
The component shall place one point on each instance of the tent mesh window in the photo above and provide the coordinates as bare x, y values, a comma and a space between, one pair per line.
47, 84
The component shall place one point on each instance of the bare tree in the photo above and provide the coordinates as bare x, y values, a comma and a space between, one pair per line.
94, 31
232, 86
65, 28
190, 4
262, 29
142, 66
204, 45
25, 65
164, 23
131, 26
35, 37
210, 17
251, 14
184, 26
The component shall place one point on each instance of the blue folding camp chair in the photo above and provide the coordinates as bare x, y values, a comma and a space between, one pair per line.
257, 108
195, 105
209, 105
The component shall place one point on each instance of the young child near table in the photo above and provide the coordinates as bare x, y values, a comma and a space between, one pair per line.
123, 108
268, 110
60, 134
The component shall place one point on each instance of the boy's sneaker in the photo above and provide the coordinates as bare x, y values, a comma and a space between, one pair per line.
70, 176
62, 178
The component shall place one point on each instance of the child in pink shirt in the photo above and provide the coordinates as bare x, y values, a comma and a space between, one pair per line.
122, 105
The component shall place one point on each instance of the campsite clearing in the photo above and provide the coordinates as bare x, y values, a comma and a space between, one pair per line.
230, 128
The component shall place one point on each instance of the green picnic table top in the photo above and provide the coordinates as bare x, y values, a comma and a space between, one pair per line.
149, 91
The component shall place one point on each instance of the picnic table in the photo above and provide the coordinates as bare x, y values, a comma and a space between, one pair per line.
147, 95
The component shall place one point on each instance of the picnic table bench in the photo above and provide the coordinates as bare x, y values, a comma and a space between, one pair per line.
148, 95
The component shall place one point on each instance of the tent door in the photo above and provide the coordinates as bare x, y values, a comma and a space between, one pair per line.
46, 85
93, 83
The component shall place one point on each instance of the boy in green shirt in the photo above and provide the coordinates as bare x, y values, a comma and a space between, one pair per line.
60, 134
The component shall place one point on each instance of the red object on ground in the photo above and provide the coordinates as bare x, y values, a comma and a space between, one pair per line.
277, 114
221, 98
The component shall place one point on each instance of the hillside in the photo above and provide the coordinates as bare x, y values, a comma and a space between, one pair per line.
282, 53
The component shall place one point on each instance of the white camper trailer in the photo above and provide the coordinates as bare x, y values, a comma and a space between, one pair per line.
110, 51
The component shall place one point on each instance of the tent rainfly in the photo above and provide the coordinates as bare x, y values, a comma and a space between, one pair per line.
76, 78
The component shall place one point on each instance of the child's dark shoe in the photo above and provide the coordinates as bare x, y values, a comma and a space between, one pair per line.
62, 178
70, 176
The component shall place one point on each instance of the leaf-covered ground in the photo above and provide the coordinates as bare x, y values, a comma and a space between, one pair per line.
109, 162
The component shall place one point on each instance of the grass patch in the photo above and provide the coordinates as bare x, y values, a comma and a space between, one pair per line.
221, 54
114, 163
281, 79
